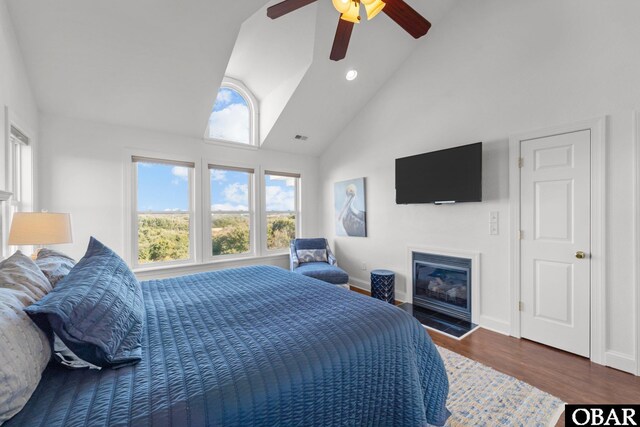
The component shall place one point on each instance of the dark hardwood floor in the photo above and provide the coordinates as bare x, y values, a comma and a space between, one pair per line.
572, 378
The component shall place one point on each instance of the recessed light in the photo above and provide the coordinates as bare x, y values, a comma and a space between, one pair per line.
351, 75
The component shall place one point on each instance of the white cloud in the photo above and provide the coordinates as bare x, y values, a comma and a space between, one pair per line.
180, 172
224, 96
230, 123
173, 210
279, 199
218, 175
236, 192
289, 182
228, 207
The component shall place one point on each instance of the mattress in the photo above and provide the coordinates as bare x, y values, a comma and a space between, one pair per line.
256, 346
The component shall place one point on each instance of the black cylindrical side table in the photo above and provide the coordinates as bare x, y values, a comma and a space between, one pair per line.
383, 284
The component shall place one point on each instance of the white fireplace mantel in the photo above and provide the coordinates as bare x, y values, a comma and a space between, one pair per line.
4, 195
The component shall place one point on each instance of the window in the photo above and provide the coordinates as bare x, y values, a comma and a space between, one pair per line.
234, 116
188, 213
20, 172
231, 191
281, 203
164, 220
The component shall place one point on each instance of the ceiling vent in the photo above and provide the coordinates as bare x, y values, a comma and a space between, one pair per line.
300, 138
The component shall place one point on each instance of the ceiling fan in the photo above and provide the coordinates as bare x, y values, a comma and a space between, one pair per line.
403, 14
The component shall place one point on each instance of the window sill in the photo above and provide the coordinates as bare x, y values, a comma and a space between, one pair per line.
165, 271
230, 144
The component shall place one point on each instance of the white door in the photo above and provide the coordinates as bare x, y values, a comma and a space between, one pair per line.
555, 265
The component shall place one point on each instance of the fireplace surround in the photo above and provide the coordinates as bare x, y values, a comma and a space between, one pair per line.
443, 284
471, 258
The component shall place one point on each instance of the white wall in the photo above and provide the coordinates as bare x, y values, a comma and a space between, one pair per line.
84, 174
491, 69
15, 95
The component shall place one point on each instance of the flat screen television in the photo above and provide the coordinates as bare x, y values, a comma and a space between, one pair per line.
446, 176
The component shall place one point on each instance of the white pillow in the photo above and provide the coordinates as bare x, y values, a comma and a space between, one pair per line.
19, 272
25, 352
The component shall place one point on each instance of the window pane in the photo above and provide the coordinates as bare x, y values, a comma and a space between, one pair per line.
230, 214
162, 188
230, 119
163, 205
280, 195
163, 237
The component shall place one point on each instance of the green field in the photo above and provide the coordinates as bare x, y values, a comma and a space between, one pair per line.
165, 237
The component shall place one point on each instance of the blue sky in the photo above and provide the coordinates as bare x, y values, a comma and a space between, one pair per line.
164, 188
230, 189
230, 117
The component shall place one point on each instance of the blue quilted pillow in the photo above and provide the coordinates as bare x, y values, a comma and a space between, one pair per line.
96, 310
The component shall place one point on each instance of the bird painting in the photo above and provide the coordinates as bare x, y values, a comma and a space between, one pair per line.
350, 208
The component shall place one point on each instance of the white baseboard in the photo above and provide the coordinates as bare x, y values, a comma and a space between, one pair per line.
360, 284
620, 361
366, 286
495, 325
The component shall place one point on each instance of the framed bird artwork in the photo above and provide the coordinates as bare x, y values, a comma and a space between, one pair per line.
350, 206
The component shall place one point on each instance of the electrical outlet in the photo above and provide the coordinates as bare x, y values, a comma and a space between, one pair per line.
364, 266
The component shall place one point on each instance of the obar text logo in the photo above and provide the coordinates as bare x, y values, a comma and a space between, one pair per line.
602, 415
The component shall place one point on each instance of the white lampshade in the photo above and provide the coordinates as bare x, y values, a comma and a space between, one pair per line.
40, 228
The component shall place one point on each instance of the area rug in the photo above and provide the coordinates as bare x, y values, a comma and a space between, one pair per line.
482, 396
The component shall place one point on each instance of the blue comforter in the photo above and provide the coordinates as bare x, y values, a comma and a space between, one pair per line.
256, 346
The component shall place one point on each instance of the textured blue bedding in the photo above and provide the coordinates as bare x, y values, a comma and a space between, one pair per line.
256, 346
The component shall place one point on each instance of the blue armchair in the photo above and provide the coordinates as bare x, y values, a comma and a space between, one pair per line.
313, 258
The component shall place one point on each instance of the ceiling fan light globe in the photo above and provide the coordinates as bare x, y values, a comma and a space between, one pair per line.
373, 7
353, 14
342, 6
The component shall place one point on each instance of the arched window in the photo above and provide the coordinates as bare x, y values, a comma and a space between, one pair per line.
234, 116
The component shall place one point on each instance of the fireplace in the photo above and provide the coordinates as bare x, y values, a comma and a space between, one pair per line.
443, 284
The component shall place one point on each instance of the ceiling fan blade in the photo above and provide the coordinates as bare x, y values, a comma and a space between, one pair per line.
405, 16
282, 8
341, 41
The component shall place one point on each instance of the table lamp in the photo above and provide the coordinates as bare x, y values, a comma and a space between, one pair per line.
40, 228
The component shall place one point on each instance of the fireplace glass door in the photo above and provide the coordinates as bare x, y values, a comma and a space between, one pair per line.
444, 288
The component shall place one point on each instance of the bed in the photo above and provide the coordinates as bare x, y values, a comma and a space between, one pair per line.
256, 346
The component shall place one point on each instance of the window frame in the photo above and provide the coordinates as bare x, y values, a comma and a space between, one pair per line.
20, 172
206, 235
297, 208
254, 115
134, 212
200, 193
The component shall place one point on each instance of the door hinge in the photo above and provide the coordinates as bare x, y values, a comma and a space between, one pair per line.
520, 234
520, 162
520, 306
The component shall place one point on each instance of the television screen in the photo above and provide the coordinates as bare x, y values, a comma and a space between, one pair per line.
445, 176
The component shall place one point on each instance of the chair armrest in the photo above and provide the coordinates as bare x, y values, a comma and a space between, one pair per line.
331, 259
293, 257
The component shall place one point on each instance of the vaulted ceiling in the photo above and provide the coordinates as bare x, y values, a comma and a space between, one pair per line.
157, 64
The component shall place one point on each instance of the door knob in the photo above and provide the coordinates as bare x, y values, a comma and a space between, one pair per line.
581, 255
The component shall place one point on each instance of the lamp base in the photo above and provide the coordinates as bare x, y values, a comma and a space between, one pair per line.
37, 249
